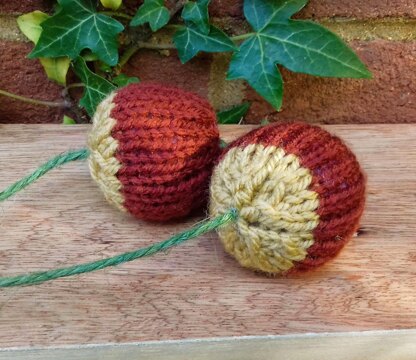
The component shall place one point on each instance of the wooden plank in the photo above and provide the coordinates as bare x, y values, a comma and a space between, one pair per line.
195, 291
373, 345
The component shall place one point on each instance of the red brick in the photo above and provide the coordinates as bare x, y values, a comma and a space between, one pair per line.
358, 9
24, 6
390, 97
25, 77
223, 8
150, 65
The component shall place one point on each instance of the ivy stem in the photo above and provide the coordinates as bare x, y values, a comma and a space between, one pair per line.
75, 85
130, 51
145, 45
173, 27
117, 14
61, 104
141, 45
241, 37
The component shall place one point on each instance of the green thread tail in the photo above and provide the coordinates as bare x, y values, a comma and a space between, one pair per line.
40, 277
42, 170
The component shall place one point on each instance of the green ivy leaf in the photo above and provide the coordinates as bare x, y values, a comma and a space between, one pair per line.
68, 120
300, 46
233, 115
77, 26
197, 14
55, 68
123, 80
111, 4
96, 87
190, 40
153, 12
29, 24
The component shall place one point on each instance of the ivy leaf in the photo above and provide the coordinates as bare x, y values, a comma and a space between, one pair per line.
68, 120
154, 12
197, 14
96, 87
123, 80
55, 68
29, 24
75, 27
300, 46
233, 115
190, 40
111, 4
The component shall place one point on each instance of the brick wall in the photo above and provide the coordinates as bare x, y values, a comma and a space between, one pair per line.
382, 32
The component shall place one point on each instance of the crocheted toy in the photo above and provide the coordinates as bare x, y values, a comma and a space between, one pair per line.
299, 193
283, 198
152, 148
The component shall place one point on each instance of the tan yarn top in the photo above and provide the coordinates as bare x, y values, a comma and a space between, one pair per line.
277, 211
102, 162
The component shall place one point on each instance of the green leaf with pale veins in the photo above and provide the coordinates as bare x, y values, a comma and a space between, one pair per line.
233, 115
96, 88
78, 26
153, 12
300, 46
197, 13
123, 80
55, 68
190, 40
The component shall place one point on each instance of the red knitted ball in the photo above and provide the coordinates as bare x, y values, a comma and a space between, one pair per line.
299, 192
152, 150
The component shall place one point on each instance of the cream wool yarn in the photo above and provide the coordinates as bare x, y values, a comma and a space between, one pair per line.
277, 212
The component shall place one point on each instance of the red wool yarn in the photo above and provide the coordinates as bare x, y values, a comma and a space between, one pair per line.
299, 192
152, 150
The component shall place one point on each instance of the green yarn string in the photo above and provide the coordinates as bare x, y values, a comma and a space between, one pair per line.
42, 170
39, 277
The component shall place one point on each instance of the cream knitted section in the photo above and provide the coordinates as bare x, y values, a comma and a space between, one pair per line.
102, 162
277, 211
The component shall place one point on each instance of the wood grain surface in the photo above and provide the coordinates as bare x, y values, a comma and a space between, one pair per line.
196, 290
368, 345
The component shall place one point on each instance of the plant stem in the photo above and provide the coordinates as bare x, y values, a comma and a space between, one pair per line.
178, 6
61, 104
241, 37
75, 85
141, 45
146, 45
173, 26
117, 14
130, 51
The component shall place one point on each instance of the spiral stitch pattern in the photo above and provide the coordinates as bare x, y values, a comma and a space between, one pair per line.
299, 192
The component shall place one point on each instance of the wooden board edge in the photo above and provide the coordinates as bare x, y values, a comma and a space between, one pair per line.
369, 345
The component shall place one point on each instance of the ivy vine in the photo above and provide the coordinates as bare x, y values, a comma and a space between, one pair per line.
98, 39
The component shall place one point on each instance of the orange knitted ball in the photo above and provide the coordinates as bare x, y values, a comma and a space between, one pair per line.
152, 150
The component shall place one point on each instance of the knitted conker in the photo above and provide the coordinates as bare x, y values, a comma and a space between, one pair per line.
299, 193
152, 149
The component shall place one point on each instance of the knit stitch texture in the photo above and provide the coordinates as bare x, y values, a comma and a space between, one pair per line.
154, 148
299, 192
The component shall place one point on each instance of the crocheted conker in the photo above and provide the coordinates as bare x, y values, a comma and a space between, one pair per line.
152, 149
299, 192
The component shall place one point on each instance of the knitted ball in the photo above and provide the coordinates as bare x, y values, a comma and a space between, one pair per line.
299, 192
152, 150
